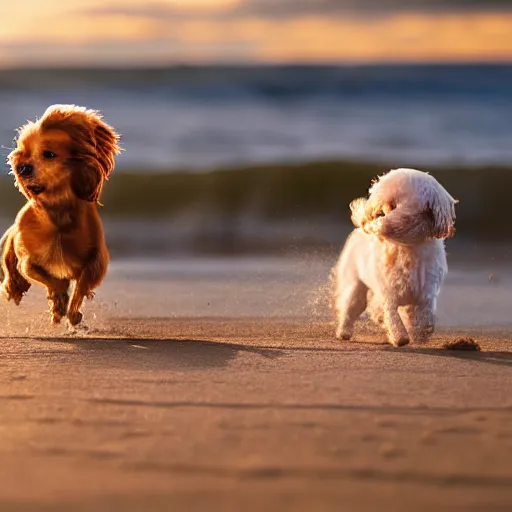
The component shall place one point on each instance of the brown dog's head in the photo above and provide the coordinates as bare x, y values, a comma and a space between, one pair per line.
66, 154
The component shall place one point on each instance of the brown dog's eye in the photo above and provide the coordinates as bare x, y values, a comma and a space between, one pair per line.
49, 154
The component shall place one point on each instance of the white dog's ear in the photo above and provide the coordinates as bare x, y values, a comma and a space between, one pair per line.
440, 211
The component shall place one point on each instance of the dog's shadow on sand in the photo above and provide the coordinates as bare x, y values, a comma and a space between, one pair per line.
499, 358
155, 354
496, 357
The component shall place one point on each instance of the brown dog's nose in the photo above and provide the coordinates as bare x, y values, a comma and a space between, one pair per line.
25, 170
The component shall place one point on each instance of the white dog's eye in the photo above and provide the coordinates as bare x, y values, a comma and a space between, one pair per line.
386, 208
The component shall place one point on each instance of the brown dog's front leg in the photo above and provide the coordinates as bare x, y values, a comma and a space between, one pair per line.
57, 289
91, 277
14, 285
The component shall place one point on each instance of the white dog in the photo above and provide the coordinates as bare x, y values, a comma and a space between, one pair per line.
394, 262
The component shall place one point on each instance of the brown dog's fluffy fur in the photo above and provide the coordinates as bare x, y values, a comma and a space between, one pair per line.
60, 164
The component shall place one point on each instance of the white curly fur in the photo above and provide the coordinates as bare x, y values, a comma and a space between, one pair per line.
394, 262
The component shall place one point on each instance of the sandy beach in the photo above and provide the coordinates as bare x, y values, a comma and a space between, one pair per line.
217, 384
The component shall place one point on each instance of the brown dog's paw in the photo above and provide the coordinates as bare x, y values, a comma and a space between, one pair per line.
75, 318
58, 306
13, 292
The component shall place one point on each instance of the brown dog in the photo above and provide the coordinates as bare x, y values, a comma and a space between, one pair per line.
60, 164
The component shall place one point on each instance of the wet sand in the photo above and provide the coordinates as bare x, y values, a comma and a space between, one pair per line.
217, 385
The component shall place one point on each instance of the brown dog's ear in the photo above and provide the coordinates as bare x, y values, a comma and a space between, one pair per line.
107, 142
86, 180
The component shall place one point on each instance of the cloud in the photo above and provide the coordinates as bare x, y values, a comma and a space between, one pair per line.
293, 8
289, 9
267, 31
151, 51
43, 52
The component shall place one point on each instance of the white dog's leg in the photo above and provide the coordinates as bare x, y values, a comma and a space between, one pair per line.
419, 321
397, 334
350, 304
375, 309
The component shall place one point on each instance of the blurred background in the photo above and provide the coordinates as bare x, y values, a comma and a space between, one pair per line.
249, 125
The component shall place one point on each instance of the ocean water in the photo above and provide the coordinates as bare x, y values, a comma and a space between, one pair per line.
207, 117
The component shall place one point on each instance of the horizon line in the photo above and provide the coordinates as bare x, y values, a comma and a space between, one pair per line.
228, 64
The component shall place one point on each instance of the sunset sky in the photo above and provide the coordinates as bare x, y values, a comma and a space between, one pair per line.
123, 32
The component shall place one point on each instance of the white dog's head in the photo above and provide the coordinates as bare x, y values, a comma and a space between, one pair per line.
406, 206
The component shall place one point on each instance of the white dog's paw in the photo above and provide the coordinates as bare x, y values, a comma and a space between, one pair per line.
422, 335
342, 334
399, 342
419, 340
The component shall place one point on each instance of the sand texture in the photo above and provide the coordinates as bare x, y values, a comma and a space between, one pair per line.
218, 385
